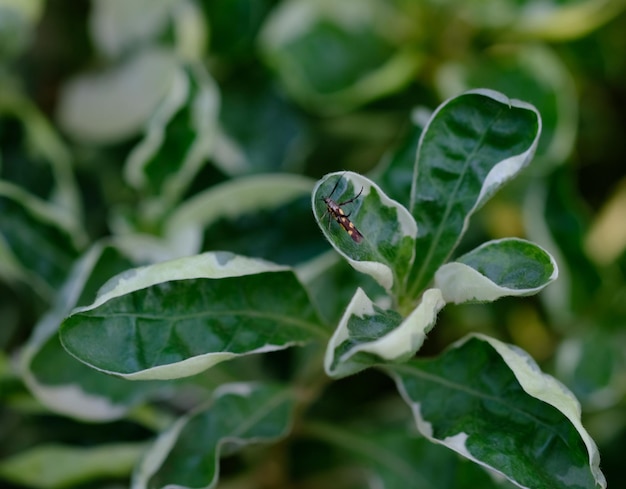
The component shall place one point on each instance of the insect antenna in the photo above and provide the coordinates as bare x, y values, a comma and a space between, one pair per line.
334, 188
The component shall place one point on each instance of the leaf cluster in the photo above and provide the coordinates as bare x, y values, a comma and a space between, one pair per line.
221, 261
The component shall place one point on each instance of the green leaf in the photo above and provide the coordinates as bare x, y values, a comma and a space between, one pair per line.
38, 241
504, 267
232, 39
286, 235
363, 59
178, 318
17, 28
490, 402
179, 139
34, 156
229, 201
473, 144
59, 466
187, 455
387, 248
368, 334
591, 364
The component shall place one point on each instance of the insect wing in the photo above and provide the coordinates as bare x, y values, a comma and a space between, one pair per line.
334, 209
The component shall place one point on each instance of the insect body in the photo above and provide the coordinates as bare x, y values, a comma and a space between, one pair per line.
334, 209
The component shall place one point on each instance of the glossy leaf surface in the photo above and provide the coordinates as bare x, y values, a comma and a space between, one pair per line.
497, 269
473, 144
178, 318
490, 402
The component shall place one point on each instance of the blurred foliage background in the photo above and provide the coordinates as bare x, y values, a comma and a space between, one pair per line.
114, 112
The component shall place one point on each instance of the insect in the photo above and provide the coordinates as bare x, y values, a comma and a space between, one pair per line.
334, 209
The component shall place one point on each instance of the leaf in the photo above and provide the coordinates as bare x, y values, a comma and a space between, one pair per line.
187, 455
59, 466
38, 241
178, 318
591, 364
566, 20
286, 234
556, 218
490, 402
20, 20
504, 267
231, 200
245, 145
473, 144
368, 334
387, 248
114, 105
554, 20
391, 457
117, 26
36, 158
232, 39
179, 139
367, 60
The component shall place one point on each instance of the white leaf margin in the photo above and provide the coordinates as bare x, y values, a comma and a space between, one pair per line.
535, 383
378, 271
398, 345
461, 283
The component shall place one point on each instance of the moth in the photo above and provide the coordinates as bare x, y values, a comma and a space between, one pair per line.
334, 210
